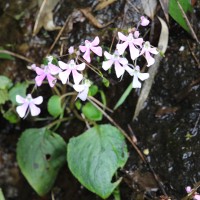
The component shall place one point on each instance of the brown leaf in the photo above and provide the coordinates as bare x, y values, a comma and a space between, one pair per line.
162, 46
149, 7
45, 16
103, 4
164, 4
92, 19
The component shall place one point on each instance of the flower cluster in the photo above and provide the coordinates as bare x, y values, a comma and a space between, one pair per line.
194, 194
136, 45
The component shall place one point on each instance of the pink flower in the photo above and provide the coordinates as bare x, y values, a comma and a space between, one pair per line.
131, 42
144, 21
28, 103
146, 50
68, 68
71, 50
117, 61
196, 196
137, 75
46, 72
91, 46
82, 89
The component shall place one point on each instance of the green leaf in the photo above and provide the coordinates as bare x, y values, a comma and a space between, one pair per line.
11, 116
93, 90
5, 55
124, 96
54, 106
106, 82
1, 195
5, 82
176, 13
78, 104
40, 155
3, 96
94, 157
91, 112
20, 89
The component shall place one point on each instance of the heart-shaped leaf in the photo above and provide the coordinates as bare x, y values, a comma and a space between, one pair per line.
94, 157
54, 106
40, 155
91, 112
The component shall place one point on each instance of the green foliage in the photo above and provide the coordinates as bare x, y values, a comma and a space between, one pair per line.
93, 90
94, 157
40, 155
5, 82
54, 106
124, 96
176, 13
3, 96
106, 82
5, 55
20, 89
11, 116
91, 112
1, 195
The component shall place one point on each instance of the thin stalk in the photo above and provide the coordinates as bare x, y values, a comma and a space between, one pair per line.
49, 126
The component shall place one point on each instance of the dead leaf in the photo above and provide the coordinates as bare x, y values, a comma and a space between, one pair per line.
165, 4
45, 16
149, 7
162, 46
87, 13
103, 4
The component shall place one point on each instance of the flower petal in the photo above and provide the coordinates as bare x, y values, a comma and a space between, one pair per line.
34, 109
37, 100
79, 88
143, 76
129, 69
39, 70
123, 61
107, 64
149, 58
51, 80
82, 48
97, 50
122, 36
95, 42
138, 41
119, 69
20, 99
136, 83
64, 76
122, 47
188, 189
62, 65
21, 110
86, 56
153, 50
80, 67
133, 51
39, 79
53, 69
77, 76
144, 21
83, 95
197, 197
107, 55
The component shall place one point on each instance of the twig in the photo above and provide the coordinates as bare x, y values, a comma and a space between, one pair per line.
195, 58
59, 34
100, 104
16, 55
187, 21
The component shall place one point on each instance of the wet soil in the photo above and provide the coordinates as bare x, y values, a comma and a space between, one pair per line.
171, 112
